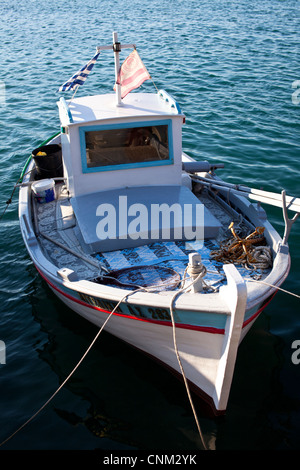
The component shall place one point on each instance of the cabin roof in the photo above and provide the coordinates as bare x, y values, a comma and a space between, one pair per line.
87, 109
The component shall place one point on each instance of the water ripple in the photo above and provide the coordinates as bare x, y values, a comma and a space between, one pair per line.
231, 66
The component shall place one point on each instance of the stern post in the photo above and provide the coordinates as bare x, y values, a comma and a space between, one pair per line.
235, 295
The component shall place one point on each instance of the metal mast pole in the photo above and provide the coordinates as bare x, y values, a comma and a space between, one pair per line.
117, 49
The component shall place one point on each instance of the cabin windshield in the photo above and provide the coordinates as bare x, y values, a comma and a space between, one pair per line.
105, 148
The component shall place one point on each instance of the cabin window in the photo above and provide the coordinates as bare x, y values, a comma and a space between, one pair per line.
112, 148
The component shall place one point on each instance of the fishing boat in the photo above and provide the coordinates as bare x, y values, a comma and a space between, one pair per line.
132, 233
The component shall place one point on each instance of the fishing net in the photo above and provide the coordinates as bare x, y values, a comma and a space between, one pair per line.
154, 278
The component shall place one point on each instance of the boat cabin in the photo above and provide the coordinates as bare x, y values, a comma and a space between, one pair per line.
107, 146
128, 157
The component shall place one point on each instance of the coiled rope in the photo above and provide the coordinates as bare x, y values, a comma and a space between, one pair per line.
250, 251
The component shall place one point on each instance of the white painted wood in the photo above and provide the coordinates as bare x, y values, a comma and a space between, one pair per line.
80, 183
199, 351
235, 295
137, 106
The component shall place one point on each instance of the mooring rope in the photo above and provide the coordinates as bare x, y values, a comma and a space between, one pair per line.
70, 374
90, 347
24, 173
180, 291
201, 274
9, 201
273, 285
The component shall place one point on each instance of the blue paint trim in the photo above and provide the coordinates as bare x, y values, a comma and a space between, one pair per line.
66, 109
203, 319
210, 323
127, 166
169, 100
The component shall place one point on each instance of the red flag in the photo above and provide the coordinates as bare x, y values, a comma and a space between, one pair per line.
132, 73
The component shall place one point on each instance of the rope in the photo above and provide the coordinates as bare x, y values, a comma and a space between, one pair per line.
24, 173
68, 377
262, 257
273, 285
91, 345
200, 275
245, 251
154, 84
199, 270
9, 201
179, 360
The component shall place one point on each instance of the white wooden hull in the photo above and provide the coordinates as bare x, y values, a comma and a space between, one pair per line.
204, 351
209, 328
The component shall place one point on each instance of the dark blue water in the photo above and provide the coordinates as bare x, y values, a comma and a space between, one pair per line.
231, 65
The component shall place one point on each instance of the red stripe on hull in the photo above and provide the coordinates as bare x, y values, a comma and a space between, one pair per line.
205, 329
255, 315
205, 402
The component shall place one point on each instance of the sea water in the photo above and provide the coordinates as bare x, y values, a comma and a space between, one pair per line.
233, 66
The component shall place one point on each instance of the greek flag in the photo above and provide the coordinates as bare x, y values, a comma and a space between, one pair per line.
80, 77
